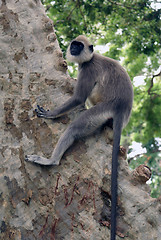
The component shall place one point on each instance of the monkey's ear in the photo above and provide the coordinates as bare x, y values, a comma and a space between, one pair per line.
91, 48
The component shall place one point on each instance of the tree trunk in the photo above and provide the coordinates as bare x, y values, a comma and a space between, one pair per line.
70, 201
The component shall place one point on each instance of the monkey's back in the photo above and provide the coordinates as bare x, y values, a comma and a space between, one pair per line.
112, 81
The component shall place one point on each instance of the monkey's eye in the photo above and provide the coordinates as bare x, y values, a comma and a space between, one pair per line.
76, 48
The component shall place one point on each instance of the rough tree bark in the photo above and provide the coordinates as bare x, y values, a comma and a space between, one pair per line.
71, 201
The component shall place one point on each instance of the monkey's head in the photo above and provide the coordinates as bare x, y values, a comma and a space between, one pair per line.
80, 50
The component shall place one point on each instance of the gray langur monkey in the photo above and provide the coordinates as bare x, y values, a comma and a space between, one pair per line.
108, 87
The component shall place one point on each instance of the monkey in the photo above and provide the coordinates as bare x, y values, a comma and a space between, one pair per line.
105, 83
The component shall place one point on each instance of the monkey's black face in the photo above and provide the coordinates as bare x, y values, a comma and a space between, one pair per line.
76, 48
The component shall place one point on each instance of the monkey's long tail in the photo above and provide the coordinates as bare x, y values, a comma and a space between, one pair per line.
117, 127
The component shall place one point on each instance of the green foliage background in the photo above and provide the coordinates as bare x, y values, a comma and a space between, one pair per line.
131, 28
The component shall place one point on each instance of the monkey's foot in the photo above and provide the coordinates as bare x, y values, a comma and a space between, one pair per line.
40, 160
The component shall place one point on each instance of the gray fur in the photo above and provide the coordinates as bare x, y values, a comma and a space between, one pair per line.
106, 85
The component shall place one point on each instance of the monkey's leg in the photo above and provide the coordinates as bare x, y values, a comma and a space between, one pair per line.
63, 144
86, 124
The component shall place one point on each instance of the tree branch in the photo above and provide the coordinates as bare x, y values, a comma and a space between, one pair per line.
122, 5
152, 83
82, 13
136, 156
68, 17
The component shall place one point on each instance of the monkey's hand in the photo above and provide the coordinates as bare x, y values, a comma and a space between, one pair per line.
41, 112
41, 160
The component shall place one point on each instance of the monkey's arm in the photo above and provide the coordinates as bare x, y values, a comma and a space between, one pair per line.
82, 91
70, 104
